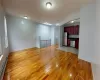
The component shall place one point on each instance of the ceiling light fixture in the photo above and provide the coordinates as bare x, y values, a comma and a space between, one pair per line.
72, 21
25, 17
49, 5
47, 23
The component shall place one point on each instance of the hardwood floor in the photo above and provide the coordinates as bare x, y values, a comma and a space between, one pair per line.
46, 64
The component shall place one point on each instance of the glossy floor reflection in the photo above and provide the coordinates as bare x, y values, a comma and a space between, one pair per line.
46, 64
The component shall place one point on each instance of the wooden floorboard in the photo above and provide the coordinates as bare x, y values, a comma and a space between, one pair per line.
46, 64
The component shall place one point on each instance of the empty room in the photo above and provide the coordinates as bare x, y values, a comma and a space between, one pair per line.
49, 39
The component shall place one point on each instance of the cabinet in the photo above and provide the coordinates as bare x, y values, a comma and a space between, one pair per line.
72, 30
75, 40
68, 42
77, 43
72, 33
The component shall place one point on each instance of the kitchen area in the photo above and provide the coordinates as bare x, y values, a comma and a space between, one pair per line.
70, 36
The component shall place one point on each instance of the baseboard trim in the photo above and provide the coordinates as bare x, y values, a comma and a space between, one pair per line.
24, 50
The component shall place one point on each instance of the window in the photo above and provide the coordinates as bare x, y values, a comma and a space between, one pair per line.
6, 37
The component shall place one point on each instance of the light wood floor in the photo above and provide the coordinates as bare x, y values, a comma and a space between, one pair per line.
46, 64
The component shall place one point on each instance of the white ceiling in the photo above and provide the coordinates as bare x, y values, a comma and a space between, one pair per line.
37, 11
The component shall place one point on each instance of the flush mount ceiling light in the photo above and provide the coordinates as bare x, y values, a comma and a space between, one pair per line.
47, 23
48, 5
25, 17
72, 21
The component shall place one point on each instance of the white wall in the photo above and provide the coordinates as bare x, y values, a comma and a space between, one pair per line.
97, 33
96, 66
52, 35
87, 33
56, 34
5, 51
25, 34
43, 32
90, 37
21, 33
